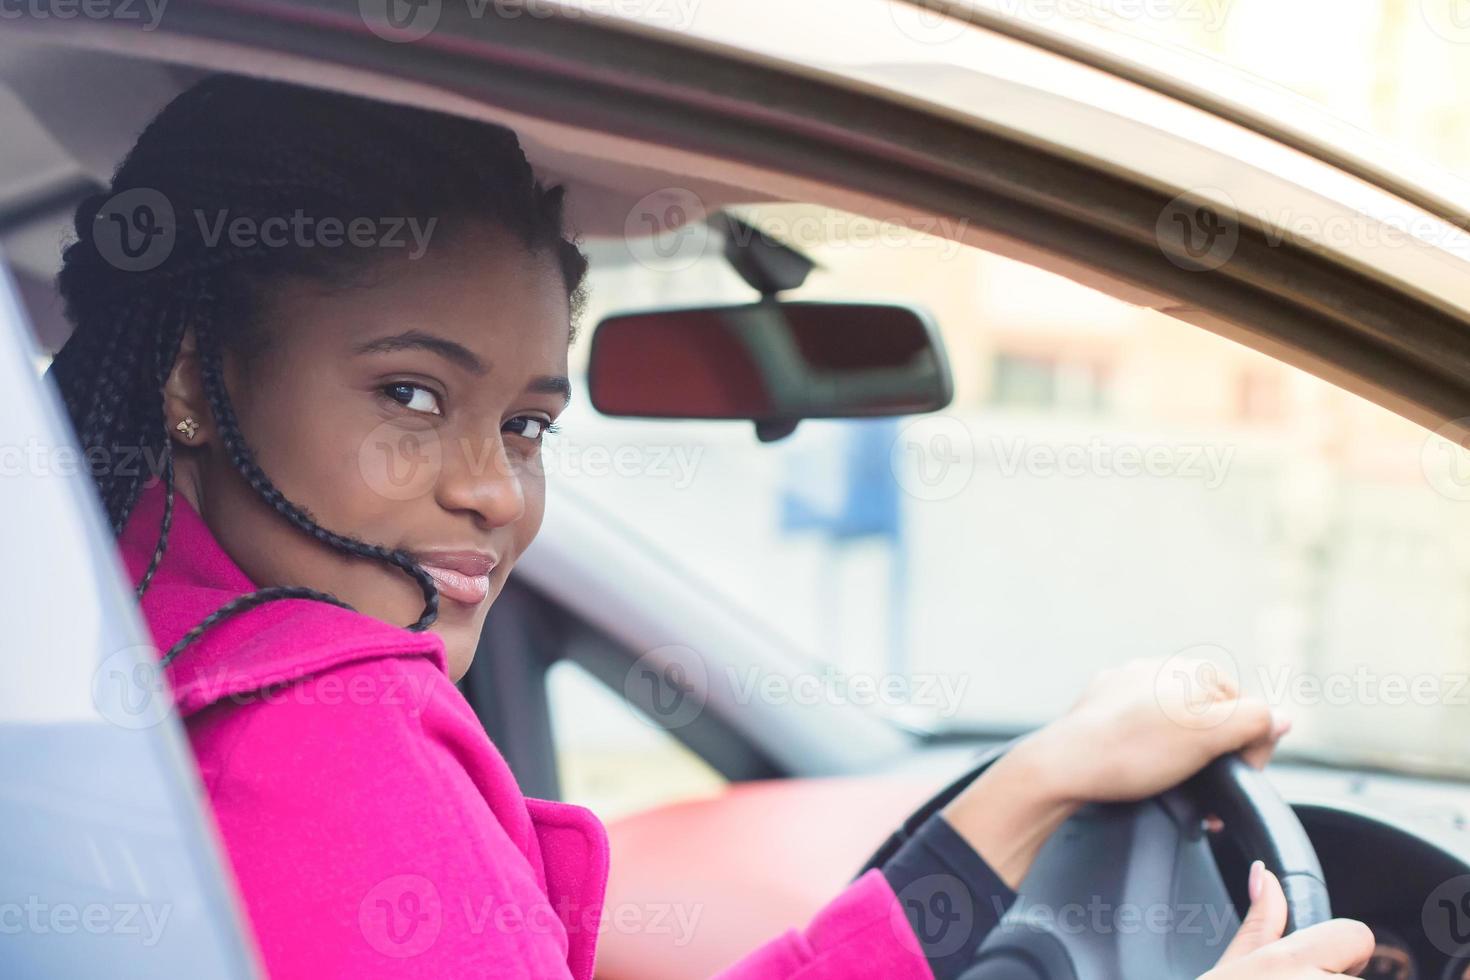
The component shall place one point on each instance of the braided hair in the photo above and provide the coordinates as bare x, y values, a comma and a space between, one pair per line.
258, 150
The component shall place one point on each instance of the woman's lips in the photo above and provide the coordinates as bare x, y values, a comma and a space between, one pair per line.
463, 576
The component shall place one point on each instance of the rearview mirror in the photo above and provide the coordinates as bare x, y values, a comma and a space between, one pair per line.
772, 363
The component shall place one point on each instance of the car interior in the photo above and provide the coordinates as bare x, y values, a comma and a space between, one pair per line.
584, 631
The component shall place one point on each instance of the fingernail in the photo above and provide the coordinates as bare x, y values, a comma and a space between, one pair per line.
1280, 725
1253, 884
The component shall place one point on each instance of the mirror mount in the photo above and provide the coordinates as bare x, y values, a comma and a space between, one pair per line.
774, 430
767, 265
770, 267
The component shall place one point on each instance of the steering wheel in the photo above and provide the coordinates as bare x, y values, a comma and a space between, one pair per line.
1123, 891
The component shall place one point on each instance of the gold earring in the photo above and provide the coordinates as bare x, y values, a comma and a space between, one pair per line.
188, 427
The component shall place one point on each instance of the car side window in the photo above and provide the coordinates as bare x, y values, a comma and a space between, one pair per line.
611, 757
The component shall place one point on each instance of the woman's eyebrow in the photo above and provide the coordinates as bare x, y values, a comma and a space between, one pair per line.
551, 384
450, 350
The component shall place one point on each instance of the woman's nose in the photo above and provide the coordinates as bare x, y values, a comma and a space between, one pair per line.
487, 482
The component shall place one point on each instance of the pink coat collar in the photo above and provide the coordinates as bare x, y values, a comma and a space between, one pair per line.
272, 644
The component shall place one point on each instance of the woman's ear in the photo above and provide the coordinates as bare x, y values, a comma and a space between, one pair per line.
185, 409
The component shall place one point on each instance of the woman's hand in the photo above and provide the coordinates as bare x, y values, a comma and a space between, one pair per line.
1147, 726
1328, 949
1137, 731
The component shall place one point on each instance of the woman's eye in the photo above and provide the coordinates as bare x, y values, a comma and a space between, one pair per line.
530, 427
414, 397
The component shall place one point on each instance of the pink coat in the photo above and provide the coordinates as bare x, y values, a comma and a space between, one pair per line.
373, 828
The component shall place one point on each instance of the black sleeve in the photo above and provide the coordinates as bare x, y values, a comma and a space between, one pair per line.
951, 896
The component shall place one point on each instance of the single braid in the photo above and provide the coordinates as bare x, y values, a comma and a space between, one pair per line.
245, 603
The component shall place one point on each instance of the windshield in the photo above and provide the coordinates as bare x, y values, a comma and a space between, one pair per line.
1109, 483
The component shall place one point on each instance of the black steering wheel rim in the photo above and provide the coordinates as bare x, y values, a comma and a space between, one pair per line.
1256, 819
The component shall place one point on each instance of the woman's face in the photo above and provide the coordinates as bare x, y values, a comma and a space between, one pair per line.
404, 410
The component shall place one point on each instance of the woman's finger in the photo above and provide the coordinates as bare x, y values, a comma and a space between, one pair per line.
1338, 946
1266, 920
1232, 726
1259, 752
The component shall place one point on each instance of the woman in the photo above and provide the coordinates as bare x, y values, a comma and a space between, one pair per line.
348, 432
